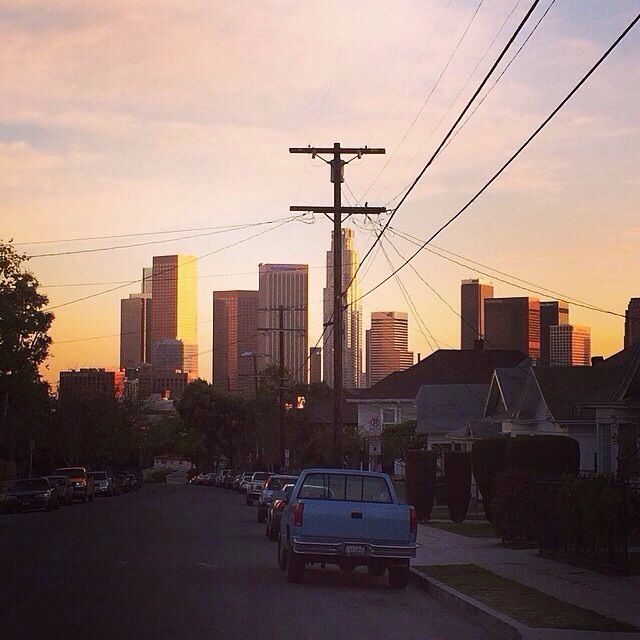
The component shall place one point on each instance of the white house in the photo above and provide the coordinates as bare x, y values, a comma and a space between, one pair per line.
172, 462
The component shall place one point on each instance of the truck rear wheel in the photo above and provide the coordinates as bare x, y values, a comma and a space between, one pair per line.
282, 558
295, 568
262, 514
398, 577
376, 569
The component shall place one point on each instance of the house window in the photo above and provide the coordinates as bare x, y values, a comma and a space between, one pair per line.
389, 415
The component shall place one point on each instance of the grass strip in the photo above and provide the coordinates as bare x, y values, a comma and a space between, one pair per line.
525, 604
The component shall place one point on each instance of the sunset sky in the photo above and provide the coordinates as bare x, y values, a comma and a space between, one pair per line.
132, 116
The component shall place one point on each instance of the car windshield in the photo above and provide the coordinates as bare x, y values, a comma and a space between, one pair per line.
35, 484
99, 475
278, 482
261, 475
71, 472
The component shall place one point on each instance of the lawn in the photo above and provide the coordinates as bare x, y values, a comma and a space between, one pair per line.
525, 604
468, 529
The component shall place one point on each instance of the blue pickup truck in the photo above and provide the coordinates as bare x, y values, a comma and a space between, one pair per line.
349, 518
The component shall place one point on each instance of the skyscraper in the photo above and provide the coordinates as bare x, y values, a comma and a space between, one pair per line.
472, 296
174, 307
570, 345
135, 327
632, 323
235, 332
388, 341
351, 319
552, 312
286, 285
315, 365
513, 323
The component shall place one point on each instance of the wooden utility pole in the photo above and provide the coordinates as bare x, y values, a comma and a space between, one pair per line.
337, 165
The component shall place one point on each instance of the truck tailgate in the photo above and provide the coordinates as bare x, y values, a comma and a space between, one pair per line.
357, 521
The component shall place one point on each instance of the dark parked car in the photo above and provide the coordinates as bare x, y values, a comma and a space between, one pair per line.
35, 493
124, 480
274, 514
274, 483
227, 483
134, 481
63, 487
104, 483
83, 487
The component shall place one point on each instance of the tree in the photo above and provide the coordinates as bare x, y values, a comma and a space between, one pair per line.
397, 439
24, 341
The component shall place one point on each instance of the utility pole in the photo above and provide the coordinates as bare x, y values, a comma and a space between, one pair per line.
337, 165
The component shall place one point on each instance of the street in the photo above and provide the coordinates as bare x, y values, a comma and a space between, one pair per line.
188, 562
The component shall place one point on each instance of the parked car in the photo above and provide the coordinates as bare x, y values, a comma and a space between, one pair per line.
349, 518
34, 493
134, 481
274, 483
219, 481
276, 508
124, 480
236, 480
243, 482
63, 487
103, 482
83, 486
256, 485
228, 479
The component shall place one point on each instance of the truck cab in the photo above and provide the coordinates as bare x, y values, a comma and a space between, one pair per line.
349, 518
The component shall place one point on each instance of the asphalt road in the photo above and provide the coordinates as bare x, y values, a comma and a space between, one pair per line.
188, 562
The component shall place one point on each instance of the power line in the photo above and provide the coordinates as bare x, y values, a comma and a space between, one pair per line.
451, 130
507, 163
424, 104
169, 269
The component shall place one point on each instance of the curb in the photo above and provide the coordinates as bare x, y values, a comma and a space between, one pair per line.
494, 621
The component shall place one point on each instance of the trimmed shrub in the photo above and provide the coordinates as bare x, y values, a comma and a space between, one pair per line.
512, 507
457, 483
487, 461
545, 456
420, 479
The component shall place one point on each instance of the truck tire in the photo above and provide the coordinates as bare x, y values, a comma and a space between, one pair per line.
295, 569
272, 533
262, 516
248, 501
398, 577
282, 556
91, 497
376, 569
84, 499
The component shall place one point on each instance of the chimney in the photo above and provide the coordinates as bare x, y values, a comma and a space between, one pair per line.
478, 344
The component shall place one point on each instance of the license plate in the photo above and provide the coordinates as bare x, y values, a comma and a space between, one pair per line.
354, 550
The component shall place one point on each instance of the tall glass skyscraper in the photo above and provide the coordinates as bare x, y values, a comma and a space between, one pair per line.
473, 293
174, 307
352, 376
387, 345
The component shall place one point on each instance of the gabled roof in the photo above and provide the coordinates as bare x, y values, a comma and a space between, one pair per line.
445, 366
447, 407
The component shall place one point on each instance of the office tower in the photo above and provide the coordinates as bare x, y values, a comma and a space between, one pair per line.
367, 348
388, 344
552, 312
168, 355
315, 365
147, 280
135, 326
472, 296
235, 341
286, 285
570, 345
632, 323
88, 385
173, 311
351, 319
513, 323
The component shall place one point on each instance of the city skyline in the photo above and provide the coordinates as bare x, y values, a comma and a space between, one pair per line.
90, 152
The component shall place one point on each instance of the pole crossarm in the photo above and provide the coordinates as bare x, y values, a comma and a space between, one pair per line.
341, 150
351, 210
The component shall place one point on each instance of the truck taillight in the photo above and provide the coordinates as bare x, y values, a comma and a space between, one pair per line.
277, 504
413, 520
298, 510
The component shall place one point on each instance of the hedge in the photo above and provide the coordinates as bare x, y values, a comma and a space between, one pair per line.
420, 476
457, 482
487, 461
544, 456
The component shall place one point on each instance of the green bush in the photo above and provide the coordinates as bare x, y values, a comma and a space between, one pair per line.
457, 482
420, 481
487, 461
544, 456
512, 507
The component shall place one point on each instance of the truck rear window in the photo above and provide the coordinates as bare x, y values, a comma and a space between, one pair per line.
343, 486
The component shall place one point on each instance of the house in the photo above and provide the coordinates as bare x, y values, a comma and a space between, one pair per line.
172, 462
599, 406
443, 393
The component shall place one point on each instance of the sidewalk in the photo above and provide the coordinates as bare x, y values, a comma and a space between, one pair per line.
612, 596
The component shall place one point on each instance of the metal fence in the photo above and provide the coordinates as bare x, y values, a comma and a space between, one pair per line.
586, 527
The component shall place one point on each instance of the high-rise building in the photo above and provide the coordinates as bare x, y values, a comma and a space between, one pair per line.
235, 332
135, 324
552, 312
86, 385
285, 285
388, 343
632, 323
351, 319
147, 280
513, 323
570, 345
315, 365
472, 296
173, 311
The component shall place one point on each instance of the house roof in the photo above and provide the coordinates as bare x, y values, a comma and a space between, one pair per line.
447, 407
444, 366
